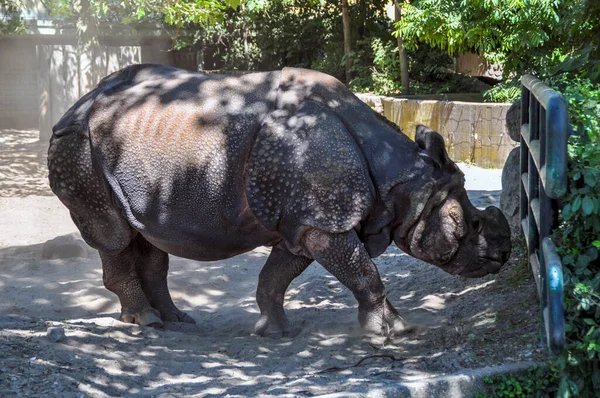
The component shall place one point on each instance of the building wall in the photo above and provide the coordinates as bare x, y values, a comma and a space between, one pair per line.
19, 93
65, 75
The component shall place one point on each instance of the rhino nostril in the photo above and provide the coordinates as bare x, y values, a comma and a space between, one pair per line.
476, 224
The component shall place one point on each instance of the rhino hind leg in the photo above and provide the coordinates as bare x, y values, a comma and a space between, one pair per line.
345, 257
120, 277
77, 182
152, 266
281, 268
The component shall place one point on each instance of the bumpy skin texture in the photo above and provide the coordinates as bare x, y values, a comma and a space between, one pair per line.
157, 161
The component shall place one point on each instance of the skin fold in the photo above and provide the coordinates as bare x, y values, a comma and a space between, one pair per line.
157, 161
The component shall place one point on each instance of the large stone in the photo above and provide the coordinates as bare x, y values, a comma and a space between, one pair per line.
510, 198
513, 121
65, 246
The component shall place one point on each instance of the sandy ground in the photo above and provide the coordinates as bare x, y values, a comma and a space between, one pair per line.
467, 323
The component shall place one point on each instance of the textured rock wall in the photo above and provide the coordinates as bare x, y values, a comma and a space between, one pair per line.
474, 132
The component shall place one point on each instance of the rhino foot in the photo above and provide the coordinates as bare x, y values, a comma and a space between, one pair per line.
382, 320
278, 327
147, 317
176, 315
279, 271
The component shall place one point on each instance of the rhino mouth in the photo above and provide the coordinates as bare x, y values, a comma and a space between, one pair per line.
483, 267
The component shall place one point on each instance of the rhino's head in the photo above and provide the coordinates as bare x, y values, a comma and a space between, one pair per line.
446, 229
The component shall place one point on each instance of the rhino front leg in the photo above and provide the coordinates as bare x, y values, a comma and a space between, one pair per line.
152, 266
346, 258
281, 268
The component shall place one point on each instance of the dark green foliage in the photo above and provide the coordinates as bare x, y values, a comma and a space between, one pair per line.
540, 381
579, 240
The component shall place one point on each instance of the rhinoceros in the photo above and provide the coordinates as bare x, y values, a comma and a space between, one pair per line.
157, 161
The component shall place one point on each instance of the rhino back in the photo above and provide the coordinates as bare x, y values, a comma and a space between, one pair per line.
173, 146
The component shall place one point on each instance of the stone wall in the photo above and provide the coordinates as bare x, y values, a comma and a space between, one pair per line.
474, 132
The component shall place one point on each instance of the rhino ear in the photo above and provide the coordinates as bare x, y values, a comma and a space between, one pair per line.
433, 145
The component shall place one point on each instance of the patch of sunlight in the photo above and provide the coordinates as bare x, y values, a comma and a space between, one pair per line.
211, 365
214, 292
236, 373
485, 315
486, 321
431, 303
337, 340
76, 281
146, 354
214, 391
305, 354
166, 378
110, 366
330, 304
397, 254
294, 304
104, 321
119, 386
253, 308
415, 375
471, 288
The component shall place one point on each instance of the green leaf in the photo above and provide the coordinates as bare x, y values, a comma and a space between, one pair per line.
576, 203
587, 205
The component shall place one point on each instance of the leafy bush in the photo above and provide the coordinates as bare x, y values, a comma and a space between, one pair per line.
579, 241
506, 91
540, 381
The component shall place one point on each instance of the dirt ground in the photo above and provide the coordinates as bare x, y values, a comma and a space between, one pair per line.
466, 323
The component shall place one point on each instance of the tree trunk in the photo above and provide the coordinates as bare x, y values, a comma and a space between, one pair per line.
362, 6
402, 53
347, 39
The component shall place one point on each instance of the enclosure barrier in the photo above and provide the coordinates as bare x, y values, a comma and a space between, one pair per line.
544, 134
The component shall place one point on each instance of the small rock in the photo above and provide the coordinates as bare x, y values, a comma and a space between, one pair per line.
56, 333
513, 121
65, 246
510, 198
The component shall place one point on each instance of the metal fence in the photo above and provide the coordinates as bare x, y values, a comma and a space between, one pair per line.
544, 134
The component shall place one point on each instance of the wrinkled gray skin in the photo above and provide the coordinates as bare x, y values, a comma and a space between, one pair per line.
157, 161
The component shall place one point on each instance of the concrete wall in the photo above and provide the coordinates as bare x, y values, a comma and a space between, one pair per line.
476, 65
41, 76
18, 84
66, 74
474, 132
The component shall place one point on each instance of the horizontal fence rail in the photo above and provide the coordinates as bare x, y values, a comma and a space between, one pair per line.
544, 135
